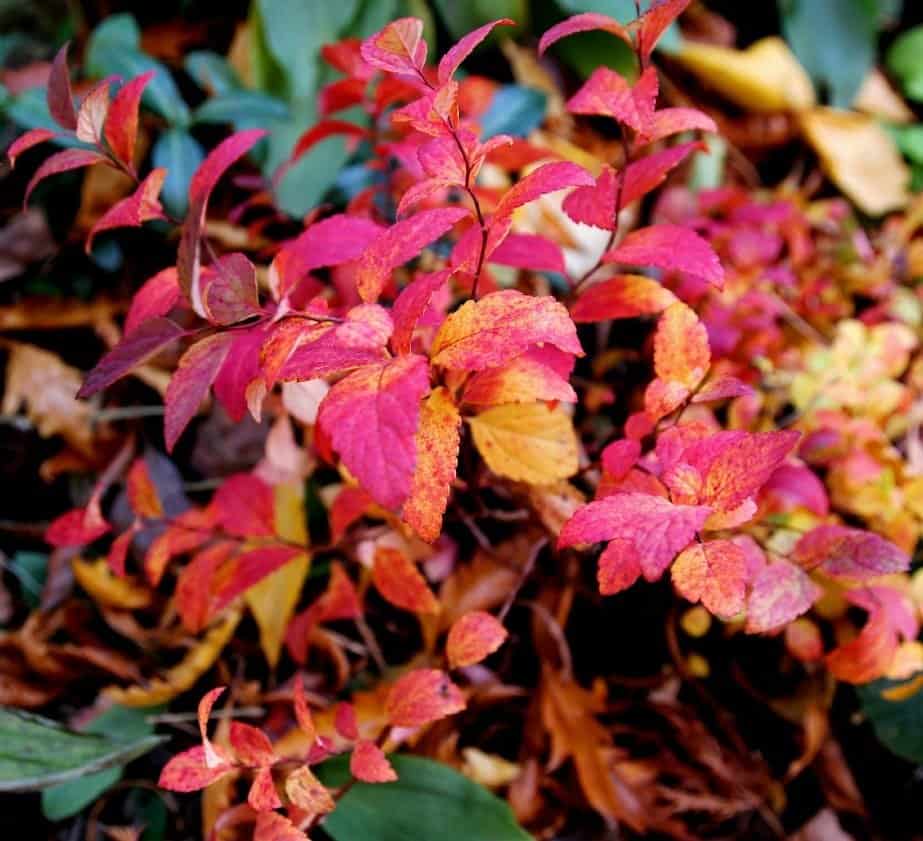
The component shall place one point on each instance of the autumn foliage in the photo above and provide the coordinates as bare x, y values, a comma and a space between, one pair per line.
412, 347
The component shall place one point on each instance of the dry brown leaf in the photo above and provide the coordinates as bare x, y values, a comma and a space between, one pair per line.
39, 381
860, 157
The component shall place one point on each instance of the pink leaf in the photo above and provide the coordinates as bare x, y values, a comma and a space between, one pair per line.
122, 123
187, 771
451, 61
529, 251
669, 248
228, 290
92, 113
251, 745
401, 242
216, 163
59, 95
157, 296
61, 162
473, 637
27, 141
722, 388
321, 131
583, 23
670, 121
398, 48
654, 22
781, 592
271, 826
850, 554
656, 528
608, 94
146, 339
263, 796
189, 386
410, 306
494, 329
244, 506
371, 417
619, 567
546, 179
141, 206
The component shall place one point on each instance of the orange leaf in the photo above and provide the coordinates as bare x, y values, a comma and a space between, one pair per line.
307, 792
421, 697
473, 637
397, 579
369, 764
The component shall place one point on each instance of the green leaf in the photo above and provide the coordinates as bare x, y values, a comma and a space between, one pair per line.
898, 724
68, 799
905, 61
114, 48
429, 802
835, 40
36, 753
909, 140
211, 72
180, 153
245, 109
461, 17
514, 110
31, 568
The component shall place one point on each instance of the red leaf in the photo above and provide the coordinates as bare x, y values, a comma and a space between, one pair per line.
27, 141
410, 306
263, 796
398, 48
850, 554
246, 570
189, 386
714, 573
780, 593
194, 598
546, 179
622, 296
271, 826
596, 205
187, 771
401, 242
473, 637
655, 21
228, 290
583, 23
157, 296
302, 712
61, 162
146, 340
245, 506
369, 764
118, 551
422, 697
496, 328
399, 581
77, 527
344, 721
141, 206
251, 745
350, 504
669, 248
656, 528
525, 379
607, 93
371, 417
620, 456
122, 124
451, 61
321, 131
529, 251
437, 443
211, 757
619, 567
216, 163
59, 96
670, 121
323, 357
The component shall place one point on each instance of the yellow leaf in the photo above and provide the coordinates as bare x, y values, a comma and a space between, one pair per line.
764, 77
860, 157
527, 442
107, 589
184, 674
273, 600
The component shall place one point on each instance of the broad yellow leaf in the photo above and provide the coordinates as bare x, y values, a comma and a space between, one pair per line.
860, 157
184, 674
273, 600
107, 589
764, 77
527, 442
